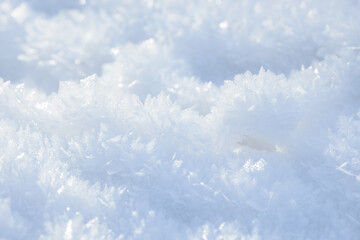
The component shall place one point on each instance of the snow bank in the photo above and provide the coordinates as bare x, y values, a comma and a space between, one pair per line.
192, 120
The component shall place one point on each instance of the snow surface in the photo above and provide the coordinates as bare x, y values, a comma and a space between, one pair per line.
209, 119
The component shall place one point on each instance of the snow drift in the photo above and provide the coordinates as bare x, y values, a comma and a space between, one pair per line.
179, 120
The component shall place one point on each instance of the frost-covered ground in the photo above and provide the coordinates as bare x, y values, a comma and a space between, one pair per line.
169, 119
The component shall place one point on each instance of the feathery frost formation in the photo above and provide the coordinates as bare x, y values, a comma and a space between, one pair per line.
173, 119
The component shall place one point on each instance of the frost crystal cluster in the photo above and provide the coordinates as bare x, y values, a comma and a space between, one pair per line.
169, 119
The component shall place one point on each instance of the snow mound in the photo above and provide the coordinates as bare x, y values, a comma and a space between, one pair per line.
179, 120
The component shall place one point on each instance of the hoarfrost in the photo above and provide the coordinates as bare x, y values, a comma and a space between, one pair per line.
179, 120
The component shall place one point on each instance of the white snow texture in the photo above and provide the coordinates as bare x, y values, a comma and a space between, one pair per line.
179, 119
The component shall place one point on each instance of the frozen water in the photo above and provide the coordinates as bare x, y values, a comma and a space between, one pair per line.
179, 119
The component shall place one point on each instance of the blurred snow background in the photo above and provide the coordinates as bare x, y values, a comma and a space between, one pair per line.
210, 119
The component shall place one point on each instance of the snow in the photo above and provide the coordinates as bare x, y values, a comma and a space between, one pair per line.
210, 119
